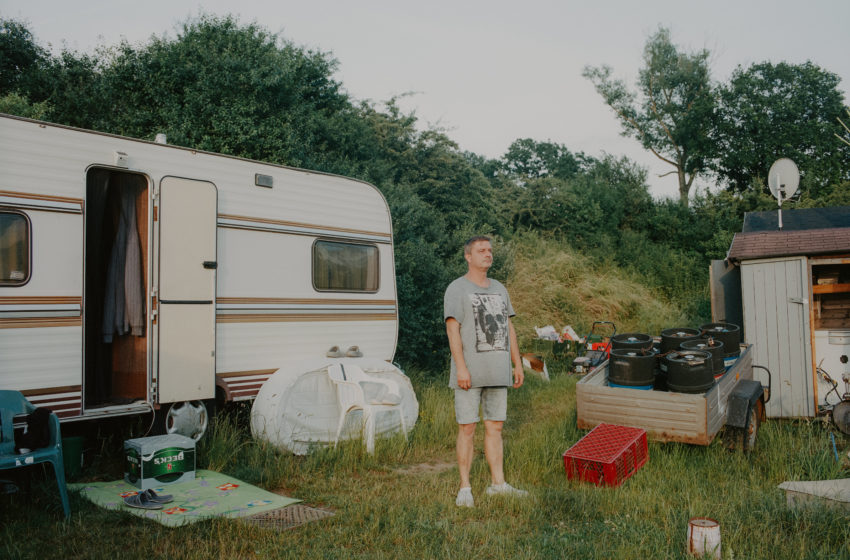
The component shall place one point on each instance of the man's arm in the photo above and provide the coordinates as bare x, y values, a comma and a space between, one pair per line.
464, 379
519, 374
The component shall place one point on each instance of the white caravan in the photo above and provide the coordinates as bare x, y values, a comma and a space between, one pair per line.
137, 276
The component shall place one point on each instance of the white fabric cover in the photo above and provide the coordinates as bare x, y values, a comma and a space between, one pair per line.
297, 408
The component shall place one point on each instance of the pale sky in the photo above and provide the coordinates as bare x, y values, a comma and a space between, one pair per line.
489, 72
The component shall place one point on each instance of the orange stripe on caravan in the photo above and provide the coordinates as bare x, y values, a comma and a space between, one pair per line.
43, 300
57, 408
52, 390
49, 198
247, 391
313, 301
303, 318
227, 375
297, 224
39, 322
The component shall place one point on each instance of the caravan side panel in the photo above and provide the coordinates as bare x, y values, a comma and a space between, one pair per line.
41, 319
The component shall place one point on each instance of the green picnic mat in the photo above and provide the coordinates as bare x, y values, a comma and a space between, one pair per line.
210, 494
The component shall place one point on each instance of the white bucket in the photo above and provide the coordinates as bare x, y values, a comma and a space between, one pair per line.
704, 537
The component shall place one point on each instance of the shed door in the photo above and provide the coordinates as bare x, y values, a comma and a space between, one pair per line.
776, 321
187, 276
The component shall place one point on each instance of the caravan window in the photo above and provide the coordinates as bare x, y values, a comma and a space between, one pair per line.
14, 248
345, 267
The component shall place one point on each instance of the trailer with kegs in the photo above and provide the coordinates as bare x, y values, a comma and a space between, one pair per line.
677, 388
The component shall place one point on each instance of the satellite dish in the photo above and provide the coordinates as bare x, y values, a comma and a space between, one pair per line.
783, 179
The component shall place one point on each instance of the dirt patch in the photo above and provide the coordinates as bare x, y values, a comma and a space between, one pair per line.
433, 467
288, 517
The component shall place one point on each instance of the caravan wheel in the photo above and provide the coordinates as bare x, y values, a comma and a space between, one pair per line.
189, 419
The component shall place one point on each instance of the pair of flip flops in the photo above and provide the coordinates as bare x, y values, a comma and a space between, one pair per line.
148, 499
352, 352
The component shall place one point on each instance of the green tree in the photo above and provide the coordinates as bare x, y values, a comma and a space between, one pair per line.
20, 57
529, 159
610, 195
228, 88
15, 104
674, 112
769, 111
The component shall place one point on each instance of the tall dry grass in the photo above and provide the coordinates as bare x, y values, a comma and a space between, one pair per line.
551, 284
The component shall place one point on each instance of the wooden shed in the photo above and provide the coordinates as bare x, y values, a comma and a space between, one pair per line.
789, 289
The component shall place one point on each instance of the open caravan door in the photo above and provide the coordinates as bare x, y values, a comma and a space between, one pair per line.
186, 303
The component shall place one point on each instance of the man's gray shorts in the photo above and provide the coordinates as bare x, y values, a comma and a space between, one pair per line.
493, 402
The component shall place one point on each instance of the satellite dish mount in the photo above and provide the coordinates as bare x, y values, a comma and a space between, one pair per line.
783, 180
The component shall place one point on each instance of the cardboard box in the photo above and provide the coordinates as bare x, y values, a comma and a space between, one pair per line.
155, 461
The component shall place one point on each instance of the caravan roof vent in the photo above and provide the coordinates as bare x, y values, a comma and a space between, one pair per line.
263, 180
161, 138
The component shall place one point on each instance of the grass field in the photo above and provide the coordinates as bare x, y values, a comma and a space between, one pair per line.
400, 502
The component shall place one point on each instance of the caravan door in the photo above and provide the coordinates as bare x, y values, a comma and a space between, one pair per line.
186, 299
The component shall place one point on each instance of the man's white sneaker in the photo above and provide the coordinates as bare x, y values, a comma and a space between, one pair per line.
505, 489
464, 497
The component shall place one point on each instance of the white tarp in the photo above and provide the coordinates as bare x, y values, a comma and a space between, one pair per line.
825, 492
297, 408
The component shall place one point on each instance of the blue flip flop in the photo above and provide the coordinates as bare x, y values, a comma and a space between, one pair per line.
141, 501
155, 498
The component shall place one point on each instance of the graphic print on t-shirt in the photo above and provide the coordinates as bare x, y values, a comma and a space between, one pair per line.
491, 322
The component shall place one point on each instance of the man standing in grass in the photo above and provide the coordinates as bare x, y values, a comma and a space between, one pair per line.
478, 312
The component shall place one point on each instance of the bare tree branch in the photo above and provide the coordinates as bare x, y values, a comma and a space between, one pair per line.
660, 120
845, 128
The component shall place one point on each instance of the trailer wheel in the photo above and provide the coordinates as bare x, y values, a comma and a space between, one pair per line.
750, 433
744, 439
188, 418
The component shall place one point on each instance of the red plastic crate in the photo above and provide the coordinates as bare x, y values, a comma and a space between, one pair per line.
608, 455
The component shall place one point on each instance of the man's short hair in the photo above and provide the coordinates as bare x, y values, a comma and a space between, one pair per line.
467, 247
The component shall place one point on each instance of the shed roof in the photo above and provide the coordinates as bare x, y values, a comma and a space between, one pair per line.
796, 220
807, 231
761, 244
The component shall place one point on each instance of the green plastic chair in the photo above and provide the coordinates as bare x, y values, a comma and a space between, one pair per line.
13, 403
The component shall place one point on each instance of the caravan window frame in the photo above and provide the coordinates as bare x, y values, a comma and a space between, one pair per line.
28, 241
336, 241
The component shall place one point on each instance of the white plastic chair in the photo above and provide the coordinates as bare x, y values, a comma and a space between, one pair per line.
349, 380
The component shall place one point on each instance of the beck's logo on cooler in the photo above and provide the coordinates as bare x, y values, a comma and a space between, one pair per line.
168, 459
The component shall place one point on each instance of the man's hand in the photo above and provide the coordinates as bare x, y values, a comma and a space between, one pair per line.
519, 376
464, 379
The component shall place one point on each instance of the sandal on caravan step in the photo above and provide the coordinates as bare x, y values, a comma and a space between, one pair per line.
354, 352
334, 352
141, 501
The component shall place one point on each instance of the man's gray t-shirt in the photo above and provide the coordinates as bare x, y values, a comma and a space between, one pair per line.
483, 316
